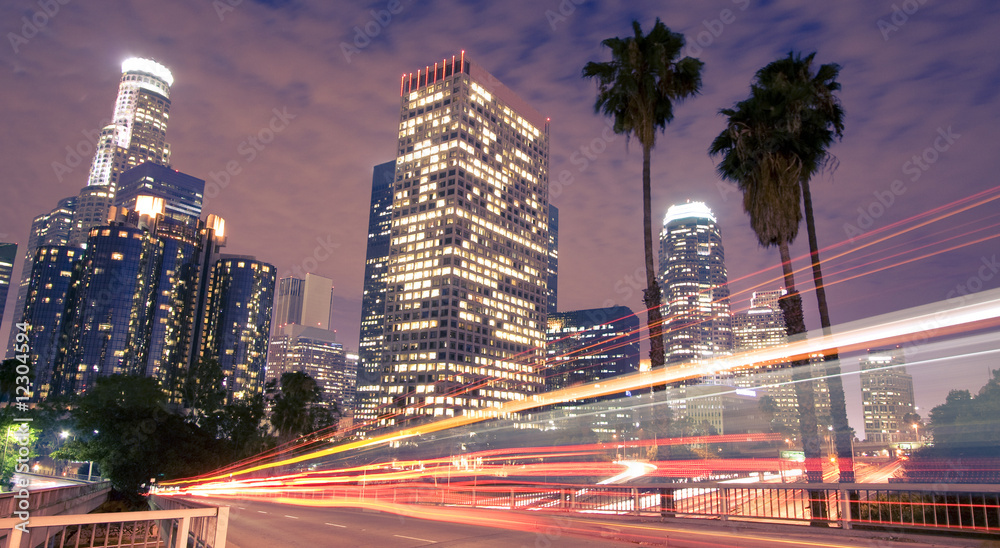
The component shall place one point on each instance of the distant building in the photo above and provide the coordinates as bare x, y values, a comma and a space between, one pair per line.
693, 278
315, 352
887, 396
371, 346
303, 301
585, 346
8, 254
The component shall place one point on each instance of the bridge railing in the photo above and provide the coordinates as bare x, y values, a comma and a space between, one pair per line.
954, 507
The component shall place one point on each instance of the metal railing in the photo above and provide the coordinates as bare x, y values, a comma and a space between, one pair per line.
953, 507
170, 528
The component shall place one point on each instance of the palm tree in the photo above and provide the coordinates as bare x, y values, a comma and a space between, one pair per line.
757, 158
638, 88
778, 139
814, 119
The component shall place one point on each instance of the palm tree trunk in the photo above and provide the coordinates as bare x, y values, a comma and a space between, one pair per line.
805, 398
651, 297
838, 407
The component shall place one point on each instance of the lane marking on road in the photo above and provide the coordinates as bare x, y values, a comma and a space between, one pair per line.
414, 538
261, 512
241, 508
335, 525
293, 517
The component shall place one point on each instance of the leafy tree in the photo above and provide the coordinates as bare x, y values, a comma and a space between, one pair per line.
297, 406
241, 424
125, 425
638, 89
203, 394
965, 422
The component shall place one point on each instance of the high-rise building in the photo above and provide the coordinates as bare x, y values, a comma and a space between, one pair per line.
466, 294
50, 228
589, 345
553, 269
182, 194
108, 314
371, 347
8, 253
45, 309
887, 396
762, 326
315, 352
303, 301
238, 321
137, 134
697, 322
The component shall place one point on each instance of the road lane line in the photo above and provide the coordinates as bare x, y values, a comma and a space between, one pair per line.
261, 512
335, 525
293, 517
414, 538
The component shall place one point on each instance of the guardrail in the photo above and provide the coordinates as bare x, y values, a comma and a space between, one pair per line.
55, 500
953, 507
171, 528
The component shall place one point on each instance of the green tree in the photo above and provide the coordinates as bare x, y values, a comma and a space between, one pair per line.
241, 424
202, 394
125, 425
638, 89
297, 406
965, 423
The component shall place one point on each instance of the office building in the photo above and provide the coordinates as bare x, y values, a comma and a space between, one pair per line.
50, 228
137, 134
8, 254
237, 322
466, 295
303, 301
317, 353
553, 269
182, 194
692, 276
585, 346
371, 348
45, 310
108, 314
887, 396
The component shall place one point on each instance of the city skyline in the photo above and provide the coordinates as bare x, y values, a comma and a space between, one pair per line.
244, 94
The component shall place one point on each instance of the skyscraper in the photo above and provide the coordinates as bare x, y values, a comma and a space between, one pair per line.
589, 345
8, 253
316, 352
887, 395
45, 310
182, 194
307, 301
371, 347
50, 228
466, 294
553, 269
238, 320
697, 322
137, 134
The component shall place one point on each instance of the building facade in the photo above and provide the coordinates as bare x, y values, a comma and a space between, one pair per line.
585, 346
8, 254
693, 278
182, 194
371, 346
238, 321
553, 270
466, 294
887, 396
136, 134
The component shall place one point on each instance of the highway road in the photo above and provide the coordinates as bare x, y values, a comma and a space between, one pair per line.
256, 524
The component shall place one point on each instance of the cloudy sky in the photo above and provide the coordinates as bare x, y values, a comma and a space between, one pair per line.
916, 74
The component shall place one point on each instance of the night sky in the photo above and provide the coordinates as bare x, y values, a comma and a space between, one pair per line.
910, 81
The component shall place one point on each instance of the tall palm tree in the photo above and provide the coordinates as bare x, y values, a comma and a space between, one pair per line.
814, 118
756, 156
638, 89
778, 139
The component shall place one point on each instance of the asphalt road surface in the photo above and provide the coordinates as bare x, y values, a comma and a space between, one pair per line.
256, 524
